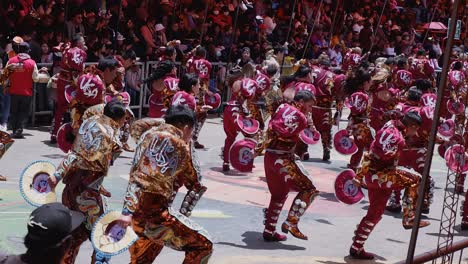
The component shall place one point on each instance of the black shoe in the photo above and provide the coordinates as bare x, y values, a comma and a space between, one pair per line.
425, 210
53, 140
326, 155
17, 134
226, 167
198, 145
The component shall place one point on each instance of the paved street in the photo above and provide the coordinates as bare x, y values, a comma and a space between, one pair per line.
231, 209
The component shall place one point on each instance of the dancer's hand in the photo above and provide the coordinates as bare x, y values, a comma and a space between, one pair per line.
125, 220
207, 107
356, 182
53, 181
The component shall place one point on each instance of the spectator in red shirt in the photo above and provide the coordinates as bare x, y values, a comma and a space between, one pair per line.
23, 73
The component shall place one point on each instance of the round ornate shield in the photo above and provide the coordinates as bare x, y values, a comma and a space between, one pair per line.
242, 154
247, 125
456, 158
447, 128
109, 238
213, 100
309, 137
65, 137
343, 143
34, 184
345, 191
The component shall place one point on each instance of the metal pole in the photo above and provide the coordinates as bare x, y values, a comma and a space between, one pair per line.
377, 27
204, 21
432, 18
334, 21
234, 32
289, 31
117, 27
430, 148
311, 31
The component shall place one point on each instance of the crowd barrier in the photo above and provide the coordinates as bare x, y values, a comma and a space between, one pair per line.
43, 96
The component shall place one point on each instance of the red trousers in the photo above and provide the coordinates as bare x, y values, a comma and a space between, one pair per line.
156, 111
61, 106
376, 119
79, 197
157, 227
323, 121
285, 174
379, 190
363, 138
230, 128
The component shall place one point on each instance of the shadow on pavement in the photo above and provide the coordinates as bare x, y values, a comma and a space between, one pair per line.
350, 260
323, 221
54, 156
47, 143
328, 197
254, 241
317, 160
232, 173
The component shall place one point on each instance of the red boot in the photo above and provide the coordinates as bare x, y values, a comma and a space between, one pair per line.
360, 253
361, 234
271, 218
298, 208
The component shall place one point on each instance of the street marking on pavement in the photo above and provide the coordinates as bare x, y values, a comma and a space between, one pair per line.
293, 259
209, 214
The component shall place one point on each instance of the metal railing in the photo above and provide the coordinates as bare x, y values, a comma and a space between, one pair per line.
435, 254
41, 100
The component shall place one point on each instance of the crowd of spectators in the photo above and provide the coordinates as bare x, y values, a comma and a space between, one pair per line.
146, 25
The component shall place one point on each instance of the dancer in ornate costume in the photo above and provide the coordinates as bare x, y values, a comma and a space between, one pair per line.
72, 66
460, 185
5, 143
420, 67
383, 97
163, 84
284, 171
413, 155
381, 176
150, 192
263, 78
84, 168
322, 112
242, 89
356, 87
91, 88
301, 80
199, 65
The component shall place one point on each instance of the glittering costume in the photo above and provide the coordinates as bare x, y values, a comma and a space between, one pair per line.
285, 172
288, 96
5, 143
255, 108
72, 65
124, 131
202, 68
358, 126
413, 155
90, 91
234, 108
163, 161
459, 188
83, 171
384, 98
381, 175
420, 68
322, 111
159, 101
